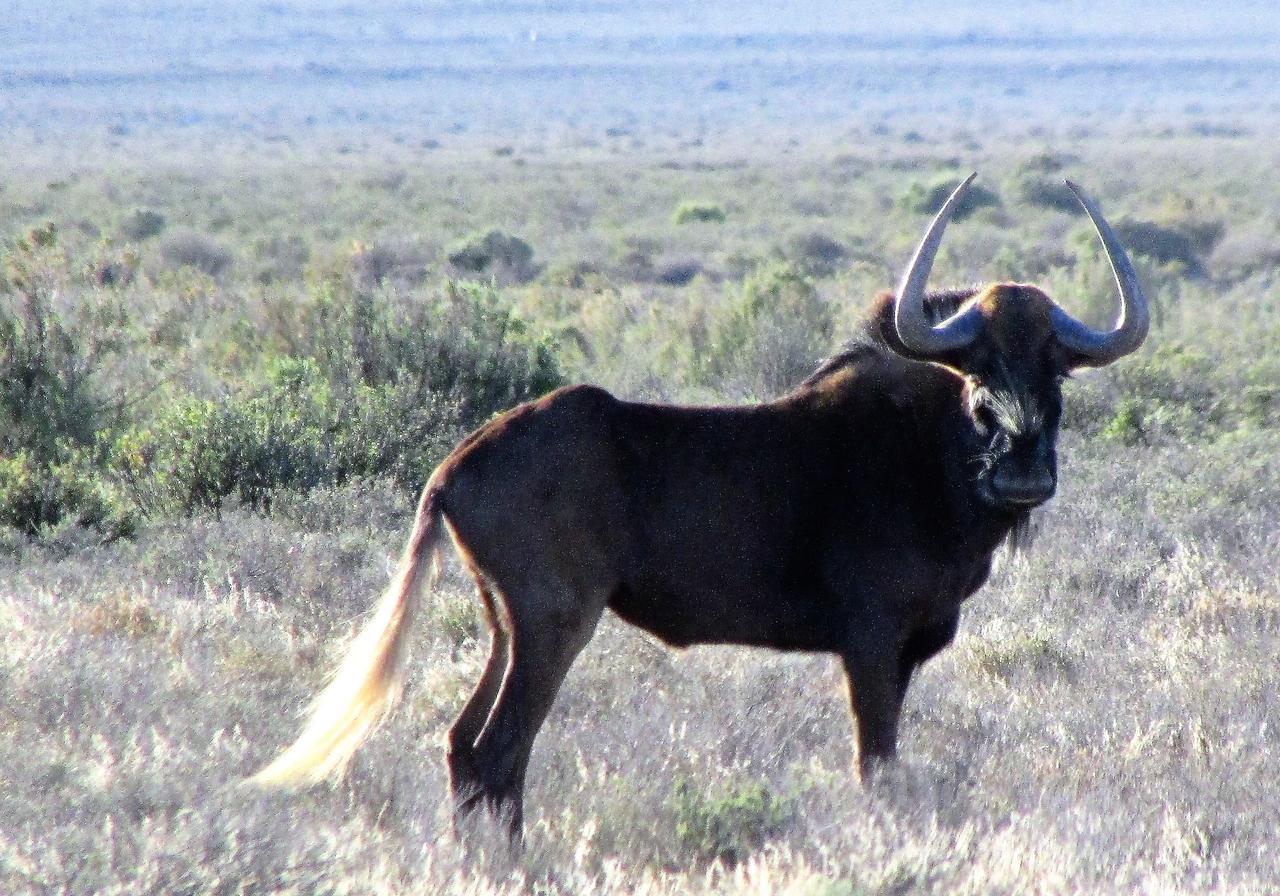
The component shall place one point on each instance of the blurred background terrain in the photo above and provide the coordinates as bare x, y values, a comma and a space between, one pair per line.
647, 71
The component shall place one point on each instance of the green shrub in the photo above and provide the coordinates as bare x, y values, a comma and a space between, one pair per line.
481, 354
466, 342
297, 433
52, 405
1039, 180
141, 224
727, 825
770, 335
1126, 426
45, 398
574, 275
1260, 404
508, 259
112, 266
1175, 388
37, 494
1045, 163
1163, 243
636, 265
370, 385
281, 258
698, 210
677, 272
816, 253
44, 236
1178, 236
1189, 216
1046, 192
926, 198
371, 265
189, 249
1087, 407
1080, 276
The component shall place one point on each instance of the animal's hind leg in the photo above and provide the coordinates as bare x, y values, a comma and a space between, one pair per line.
464, 778
545, 640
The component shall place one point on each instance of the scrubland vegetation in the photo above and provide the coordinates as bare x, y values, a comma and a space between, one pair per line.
222, 383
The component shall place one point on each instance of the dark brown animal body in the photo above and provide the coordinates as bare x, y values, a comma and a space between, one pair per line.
852, 516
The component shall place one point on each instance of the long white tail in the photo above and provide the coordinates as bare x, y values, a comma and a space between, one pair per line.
368, 681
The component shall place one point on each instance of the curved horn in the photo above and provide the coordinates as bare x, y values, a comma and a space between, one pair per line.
914, 328
1096, 347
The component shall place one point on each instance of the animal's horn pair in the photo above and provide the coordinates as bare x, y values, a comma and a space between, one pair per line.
1092, 347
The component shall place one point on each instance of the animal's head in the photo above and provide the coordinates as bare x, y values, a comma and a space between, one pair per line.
1013, 346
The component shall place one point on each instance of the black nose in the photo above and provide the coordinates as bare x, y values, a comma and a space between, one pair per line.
1026, 490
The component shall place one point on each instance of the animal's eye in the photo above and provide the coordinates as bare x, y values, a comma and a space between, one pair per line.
984, 416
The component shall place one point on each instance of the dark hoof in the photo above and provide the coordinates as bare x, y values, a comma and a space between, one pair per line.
872, 768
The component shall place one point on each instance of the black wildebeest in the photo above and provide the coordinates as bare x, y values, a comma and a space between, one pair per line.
853, 515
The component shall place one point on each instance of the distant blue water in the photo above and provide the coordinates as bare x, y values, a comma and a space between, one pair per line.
605, 66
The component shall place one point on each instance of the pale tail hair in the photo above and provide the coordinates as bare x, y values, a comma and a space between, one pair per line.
368, 681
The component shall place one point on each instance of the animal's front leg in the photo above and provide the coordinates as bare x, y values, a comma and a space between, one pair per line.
873, 670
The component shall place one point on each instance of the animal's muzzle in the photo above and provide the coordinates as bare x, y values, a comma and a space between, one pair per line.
1023, 490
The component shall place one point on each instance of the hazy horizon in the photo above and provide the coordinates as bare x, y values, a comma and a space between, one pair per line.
617, 70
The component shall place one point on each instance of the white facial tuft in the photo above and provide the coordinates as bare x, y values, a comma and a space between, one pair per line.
1018, 414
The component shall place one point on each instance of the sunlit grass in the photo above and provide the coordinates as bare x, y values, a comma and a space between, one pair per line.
1104, 722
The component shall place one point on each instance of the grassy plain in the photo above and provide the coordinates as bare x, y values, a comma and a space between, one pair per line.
1106, 721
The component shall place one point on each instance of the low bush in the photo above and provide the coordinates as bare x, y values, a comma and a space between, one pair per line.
1163, 243
464, 341
1173, 392
52, 403
112, 266
141, 224
1246, 252
698, 211
371, 385
281, 258
493, 254
190, 249
769, 336
367, 385
1045, 191
298, 432
816, 253
40, 493
728, 825
1176, 240
573, 275
1126, 426
677, 271
1040, 180
372, 265
925, 198
636, 265
45, 396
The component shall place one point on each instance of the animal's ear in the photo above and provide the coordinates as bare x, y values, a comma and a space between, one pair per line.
954, 360
1067, 360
